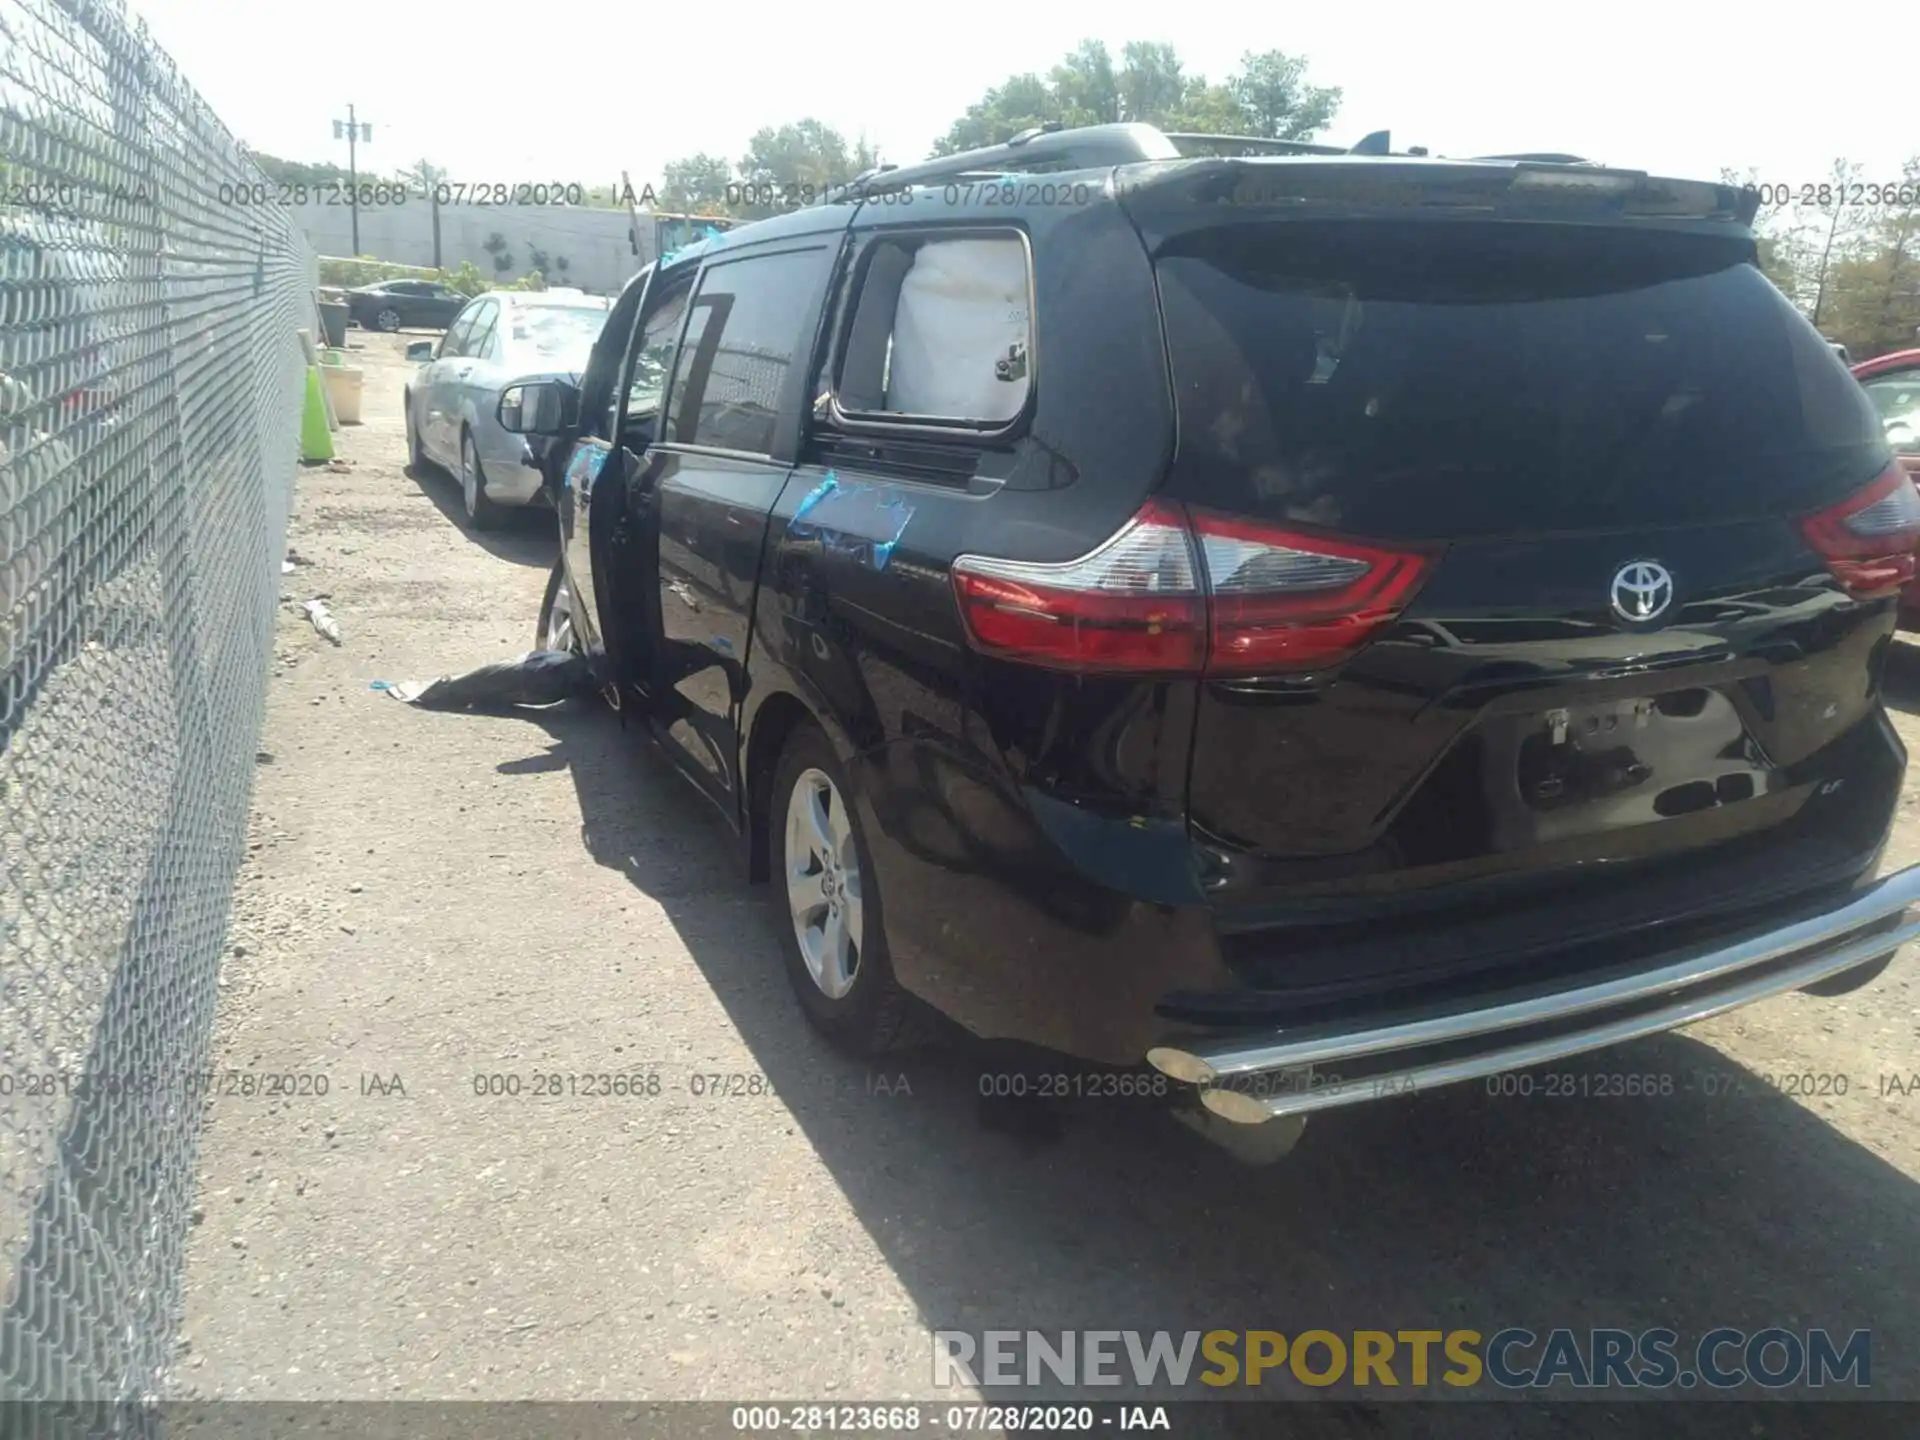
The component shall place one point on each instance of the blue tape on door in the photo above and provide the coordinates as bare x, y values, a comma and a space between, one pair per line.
848, 517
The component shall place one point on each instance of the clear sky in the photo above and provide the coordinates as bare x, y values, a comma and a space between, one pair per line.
574, 92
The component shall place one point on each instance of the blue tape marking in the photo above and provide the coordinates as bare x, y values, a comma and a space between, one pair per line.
813, 497
585, 463
862, 521
379, 685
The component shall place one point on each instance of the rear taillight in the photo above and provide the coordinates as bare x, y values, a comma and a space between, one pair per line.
1868, 539
1283, 600
1189, 593
1132, 604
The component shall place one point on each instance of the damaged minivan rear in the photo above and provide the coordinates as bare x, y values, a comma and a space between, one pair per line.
1550, 567
1381, 622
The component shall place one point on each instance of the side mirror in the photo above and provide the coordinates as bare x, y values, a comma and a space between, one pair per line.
538, 407
420, 351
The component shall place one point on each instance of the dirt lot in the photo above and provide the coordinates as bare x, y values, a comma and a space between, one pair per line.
431, 897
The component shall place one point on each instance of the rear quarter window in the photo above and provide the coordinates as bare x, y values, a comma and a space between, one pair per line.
941, 329
1448, 380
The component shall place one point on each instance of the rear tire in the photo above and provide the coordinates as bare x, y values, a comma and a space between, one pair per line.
387, 320
482, 513
1848, 981
831, 930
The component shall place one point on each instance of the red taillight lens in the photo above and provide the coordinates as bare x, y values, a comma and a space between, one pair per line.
1274, 599
1284, 600
1132, 604
1868, 539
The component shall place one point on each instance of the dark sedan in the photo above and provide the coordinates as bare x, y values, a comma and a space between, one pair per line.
394, 304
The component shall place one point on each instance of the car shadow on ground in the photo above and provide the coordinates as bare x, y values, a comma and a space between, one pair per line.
1723, 1203
526, 534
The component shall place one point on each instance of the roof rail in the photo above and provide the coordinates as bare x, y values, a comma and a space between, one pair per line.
1090, 147
1084, 148
1542, 157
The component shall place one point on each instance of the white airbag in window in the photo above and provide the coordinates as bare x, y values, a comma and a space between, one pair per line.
962, 310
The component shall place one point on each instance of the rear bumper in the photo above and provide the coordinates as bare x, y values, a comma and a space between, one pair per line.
1020, 926
1297, 1070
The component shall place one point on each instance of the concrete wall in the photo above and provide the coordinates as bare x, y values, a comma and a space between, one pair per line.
594, 242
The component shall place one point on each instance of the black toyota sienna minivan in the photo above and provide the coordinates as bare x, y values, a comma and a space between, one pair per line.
1318, 625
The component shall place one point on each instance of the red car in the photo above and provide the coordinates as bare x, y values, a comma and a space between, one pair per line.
1893, 382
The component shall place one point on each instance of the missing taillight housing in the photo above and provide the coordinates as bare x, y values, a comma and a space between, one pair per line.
1196, 592
1868, 540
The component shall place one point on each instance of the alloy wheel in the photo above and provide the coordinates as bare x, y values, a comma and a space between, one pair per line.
560, 634
823, 882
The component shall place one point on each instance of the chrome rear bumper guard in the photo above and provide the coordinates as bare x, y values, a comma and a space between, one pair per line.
1261, 1078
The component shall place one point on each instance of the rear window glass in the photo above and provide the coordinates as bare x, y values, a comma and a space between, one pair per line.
561, 336
1455, 380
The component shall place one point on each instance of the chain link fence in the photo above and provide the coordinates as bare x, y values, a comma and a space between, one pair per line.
150, 390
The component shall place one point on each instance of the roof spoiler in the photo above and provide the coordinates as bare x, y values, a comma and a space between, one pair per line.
1197, 193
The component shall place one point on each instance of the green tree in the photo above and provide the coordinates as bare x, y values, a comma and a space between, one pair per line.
299, 172
697, 185
789, 166
1874, 292
1278, 103
1777, 252
1801, 245
1267, 96
1208, 110
1152, 83
1778, 262
1086, 87
1018, 103
467, 279
1836, 229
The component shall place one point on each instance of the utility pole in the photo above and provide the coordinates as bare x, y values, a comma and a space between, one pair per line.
355, 132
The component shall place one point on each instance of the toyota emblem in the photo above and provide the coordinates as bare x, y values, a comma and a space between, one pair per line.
1642, 591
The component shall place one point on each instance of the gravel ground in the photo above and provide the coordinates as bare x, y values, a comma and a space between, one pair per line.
433, 897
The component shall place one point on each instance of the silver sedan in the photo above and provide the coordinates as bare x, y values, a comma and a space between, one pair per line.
498, 339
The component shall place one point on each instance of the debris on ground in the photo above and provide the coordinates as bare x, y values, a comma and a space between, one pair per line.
539, 677
322, 619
